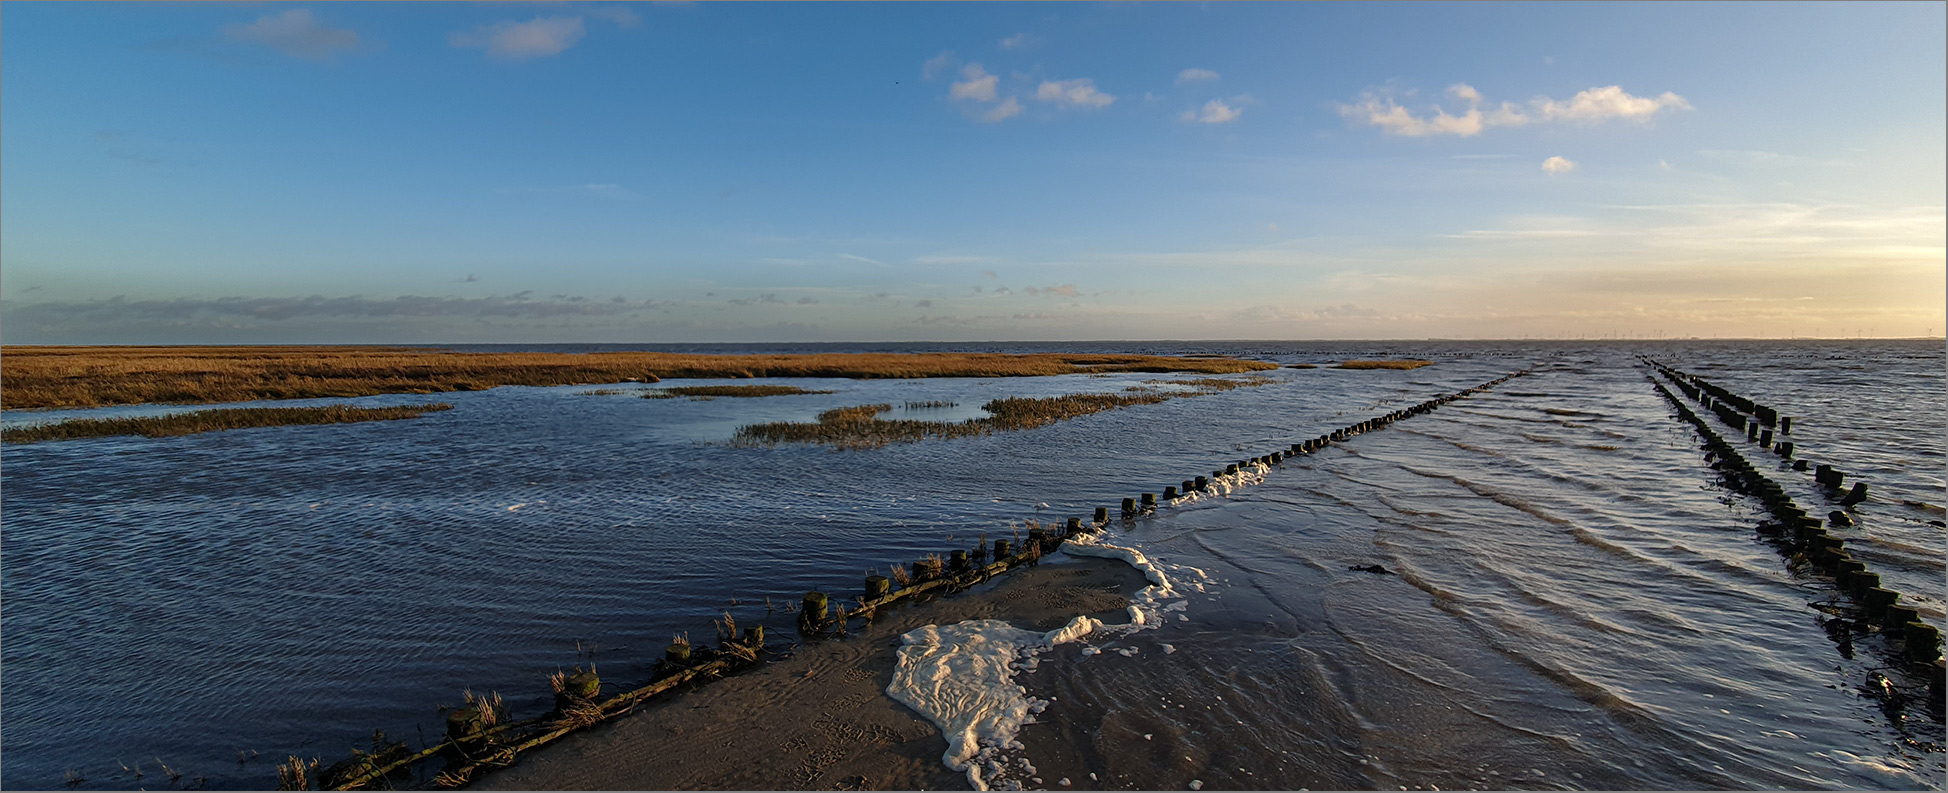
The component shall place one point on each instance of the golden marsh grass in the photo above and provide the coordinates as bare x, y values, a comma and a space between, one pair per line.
210, 421
860, 426
56, 377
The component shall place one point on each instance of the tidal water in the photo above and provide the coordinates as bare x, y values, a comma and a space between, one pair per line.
1572, 600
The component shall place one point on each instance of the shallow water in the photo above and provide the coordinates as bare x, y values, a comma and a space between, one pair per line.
1575, 602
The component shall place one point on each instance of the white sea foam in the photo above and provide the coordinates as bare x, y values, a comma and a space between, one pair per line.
1224, 485
961, 677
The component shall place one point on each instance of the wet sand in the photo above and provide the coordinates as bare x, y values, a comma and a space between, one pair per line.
820, 719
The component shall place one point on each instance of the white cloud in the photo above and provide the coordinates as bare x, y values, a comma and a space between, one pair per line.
937, 65
1016, 41
1556, 165
614, 12
1589, 107
1194, 75
295, 33
522, 40
1602, 104
1214, 112
1080, 92
975, 84
1002, 112
858, 258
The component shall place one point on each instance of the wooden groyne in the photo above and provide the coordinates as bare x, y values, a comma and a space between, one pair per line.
1803, 537
479, 736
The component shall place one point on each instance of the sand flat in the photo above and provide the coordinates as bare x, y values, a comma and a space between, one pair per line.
821, 718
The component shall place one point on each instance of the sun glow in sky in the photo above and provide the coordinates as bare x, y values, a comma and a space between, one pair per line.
505, 172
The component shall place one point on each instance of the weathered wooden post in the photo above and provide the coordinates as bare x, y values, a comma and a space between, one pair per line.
1856, 495
1129, 507
1202, 483
1102, 514
812, 610
1170, 493
878, 586
1149, 501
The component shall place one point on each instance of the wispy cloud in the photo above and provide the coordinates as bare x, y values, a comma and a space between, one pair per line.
1592, 106
1002, 112
1558, 165
295, 33
858, 258
538, 37
228, 311
937, 65
1062, 290
1080, 92
1016, 41
1214, 112
1196, 75
975, 84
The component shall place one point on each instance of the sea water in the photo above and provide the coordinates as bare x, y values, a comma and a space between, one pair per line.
1571, 598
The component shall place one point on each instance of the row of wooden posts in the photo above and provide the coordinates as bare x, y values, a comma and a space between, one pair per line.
1758, 426
1803, 535
478, 736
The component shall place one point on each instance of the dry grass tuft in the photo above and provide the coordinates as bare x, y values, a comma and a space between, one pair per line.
492, 711
209, 421
295, 774
49, 377
1399, 364
901, 576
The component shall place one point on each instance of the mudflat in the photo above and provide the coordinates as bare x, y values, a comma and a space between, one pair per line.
819, 719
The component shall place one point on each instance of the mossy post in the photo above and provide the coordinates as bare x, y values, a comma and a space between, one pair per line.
1187, 486
1923, 641
1201, 483
1878, 600
878, 586
812, 609
585, 686
1231, 469
1038, 538
1149, 501
1075, 526
1002, 549
1102, 514
463, 722
1129, 506
677, 653
957, 559
1170, 492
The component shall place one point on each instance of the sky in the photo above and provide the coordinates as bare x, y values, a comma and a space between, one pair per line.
752, 172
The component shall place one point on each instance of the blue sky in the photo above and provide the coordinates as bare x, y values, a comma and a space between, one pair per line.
512, 172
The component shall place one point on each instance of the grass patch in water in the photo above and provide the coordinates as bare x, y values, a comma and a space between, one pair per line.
55, 377
1212, 385
1399, 364
931, 404
714, 391
209, 421
860, 427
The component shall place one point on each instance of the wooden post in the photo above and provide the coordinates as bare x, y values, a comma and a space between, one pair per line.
877, 586
1170, 493
1102, 514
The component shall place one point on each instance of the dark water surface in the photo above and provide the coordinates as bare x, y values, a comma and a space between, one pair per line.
1576, 603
